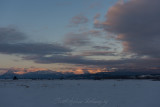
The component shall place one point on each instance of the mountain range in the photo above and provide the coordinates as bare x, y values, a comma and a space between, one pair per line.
49, 74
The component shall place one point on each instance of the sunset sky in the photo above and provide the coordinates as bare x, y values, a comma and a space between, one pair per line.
80, 35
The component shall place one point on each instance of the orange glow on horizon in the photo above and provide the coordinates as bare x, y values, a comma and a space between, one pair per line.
76, 70
80, 70
21, 71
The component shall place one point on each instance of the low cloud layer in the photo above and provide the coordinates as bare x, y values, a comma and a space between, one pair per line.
81, 60
12, 42
32, 48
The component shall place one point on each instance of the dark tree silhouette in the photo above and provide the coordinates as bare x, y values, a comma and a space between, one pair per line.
15, 78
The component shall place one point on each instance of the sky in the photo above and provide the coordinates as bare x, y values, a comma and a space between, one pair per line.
80, 35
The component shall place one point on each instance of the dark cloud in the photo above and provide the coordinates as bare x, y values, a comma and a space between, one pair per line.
98, 53
55, 59
79, 19
82, 38
77, 39
102, 47
32, 48
136, 22
121, 63
11, 35
12, 42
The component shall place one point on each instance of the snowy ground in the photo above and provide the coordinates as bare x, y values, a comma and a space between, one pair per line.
79, 93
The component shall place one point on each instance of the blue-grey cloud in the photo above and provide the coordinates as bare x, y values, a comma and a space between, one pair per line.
102, 47
11, 35
33, 48
98, 53
81, 38
81, 60
77, 39
12, 42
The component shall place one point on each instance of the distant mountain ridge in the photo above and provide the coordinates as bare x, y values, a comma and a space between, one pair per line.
45, 74
48, 74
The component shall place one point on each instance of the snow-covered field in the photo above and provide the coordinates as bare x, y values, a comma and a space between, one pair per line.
79, 93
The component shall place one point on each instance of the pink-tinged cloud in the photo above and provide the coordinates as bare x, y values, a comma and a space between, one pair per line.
136, 22
79, 19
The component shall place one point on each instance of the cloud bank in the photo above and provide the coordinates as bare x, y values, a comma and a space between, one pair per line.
12, 42
136, 22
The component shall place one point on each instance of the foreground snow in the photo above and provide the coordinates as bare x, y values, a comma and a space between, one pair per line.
79, 93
